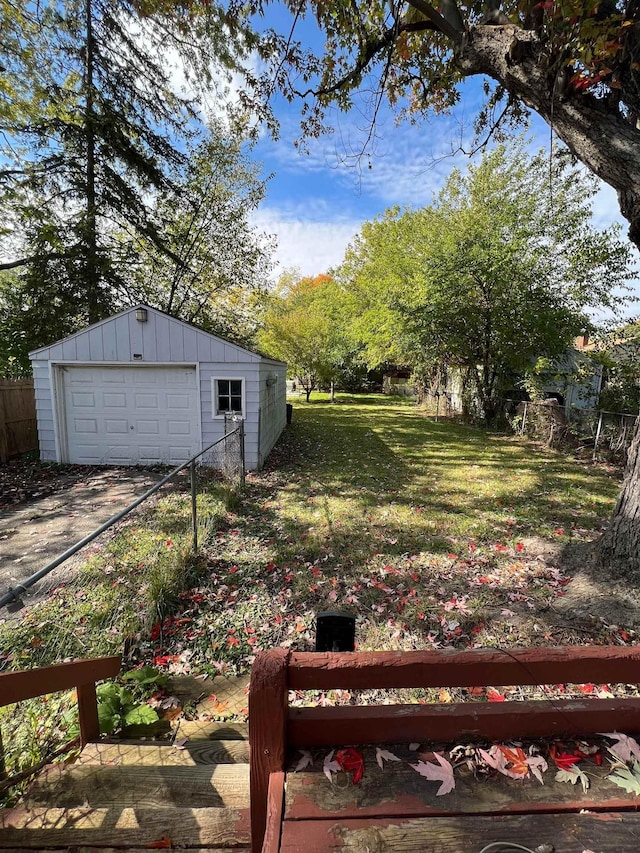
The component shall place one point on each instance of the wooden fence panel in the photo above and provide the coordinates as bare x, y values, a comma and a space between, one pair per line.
18, 425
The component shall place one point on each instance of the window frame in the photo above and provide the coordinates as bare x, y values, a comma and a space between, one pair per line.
217, 415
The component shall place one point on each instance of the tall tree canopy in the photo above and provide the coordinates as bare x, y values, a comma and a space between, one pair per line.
497, 272
88, 111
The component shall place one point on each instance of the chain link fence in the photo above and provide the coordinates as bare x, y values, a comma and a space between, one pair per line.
114, 592
607, 435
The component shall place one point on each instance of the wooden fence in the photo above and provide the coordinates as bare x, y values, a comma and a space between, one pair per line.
18, 426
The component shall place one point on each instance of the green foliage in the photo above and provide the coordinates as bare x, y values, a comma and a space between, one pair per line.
303, 325
621, 385
216, 275
117, 707
492, 276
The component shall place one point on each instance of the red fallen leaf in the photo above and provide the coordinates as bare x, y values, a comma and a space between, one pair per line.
164, 843
519, 546
232, 641
501, 547
472, 546
494, 696
349, 760
563, 760
452, 556
163, 660
233, 569
559, 532
484, 580
475, 691
586, 688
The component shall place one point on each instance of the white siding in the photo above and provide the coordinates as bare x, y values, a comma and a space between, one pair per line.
44, 410
273, 406
212, 427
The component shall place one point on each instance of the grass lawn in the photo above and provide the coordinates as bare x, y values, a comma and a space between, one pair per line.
432, 534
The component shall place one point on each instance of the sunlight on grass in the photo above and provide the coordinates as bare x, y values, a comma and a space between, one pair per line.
432, 534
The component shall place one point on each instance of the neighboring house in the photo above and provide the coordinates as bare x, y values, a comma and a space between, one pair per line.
142, 387
576, 379
397, 382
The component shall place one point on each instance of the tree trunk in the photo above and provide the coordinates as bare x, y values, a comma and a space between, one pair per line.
594, 130
90, 225
619, 547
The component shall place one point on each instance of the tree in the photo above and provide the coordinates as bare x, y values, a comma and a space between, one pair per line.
491, 277
87, 109
217, 272
301, 327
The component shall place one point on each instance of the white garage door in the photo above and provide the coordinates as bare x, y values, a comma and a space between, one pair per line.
131, 415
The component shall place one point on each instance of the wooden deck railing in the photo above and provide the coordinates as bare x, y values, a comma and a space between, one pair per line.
81, 675
274, 727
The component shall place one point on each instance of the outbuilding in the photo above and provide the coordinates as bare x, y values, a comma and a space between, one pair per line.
143, 388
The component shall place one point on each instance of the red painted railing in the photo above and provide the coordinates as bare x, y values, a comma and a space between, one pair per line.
274, 727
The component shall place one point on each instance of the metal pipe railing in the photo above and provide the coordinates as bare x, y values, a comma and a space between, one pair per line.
14, 594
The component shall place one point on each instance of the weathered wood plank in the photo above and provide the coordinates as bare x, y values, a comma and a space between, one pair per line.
27, 684
201, 730
399, 790
469, 668
275, 808
469, 721
70, 786
193, 752
267, 732
130, 827
564, 833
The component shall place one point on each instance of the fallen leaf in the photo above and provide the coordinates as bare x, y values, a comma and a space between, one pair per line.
537, 765
573, 775
626, 749
304, 761
443, 774
329, 766
413, 747
626, 778
349, 760
383, 755
563, 760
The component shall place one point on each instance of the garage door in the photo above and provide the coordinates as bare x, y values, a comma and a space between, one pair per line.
131, 415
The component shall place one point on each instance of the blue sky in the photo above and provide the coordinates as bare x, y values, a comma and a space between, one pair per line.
318, 200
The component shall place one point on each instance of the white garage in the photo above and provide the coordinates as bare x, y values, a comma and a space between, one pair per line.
144, 388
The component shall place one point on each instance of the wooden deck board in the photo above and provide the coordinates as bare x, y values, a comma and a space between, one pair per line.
399, 790
567, 833
200, 786
42, 828
191, 753
202, 730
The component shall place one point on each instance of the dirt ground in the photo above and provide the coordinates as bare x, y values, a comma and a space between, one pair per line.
46, 508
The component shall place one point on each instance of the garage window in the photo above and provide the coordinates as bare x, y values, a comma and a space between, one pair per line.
228, 396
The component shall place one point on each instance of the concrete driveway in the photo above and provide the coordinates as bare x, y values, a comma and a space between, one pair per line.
36, 531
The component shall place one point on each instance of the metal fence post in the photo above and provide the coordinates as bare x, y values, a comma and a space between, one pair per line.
524, 419
597, 439
242, 462
194, 505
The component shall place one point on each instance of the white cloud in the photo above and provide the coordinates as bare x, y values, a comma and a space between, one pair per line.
310, 246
